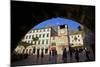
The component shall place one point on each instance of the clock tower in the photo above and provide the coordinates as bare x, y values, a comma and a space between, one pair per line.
63, 36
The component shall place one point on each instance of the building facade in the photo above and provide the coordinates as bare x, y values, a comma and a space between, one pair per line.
49, 40
76, 40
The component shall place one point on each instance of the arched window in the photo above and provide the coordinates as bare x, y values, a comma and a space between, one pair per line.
39, 35
78, 35
43, 35
47, 34
27, 37
23, 51
29, 51
42, 41
26, 50
78, 39
46, 41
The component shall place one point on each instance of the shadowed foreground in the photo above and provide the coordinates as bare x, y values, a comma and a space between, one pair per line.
34, 60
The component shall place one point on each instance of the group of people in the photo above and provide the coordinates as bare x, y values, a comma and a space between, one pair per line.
42, 54
51, 53
75, 51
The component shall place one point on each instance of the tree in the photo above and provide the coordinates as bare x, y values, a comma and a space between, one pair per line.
24, 44
35, 39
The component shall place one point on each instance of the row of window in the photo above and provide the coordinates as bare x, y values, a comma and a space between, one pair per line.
76, 40
41, 30
77, 44
37, 35
38, 50
39, 42
75, 35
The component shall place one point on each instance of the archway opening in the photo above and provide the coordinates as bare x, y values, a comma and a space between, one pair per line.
59, 30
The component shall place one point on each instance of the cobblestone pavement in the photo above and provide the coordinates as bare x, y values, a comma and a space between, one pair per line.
33, 60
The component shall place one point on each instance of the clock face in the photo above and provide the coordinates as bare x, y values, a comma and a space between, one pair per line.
62, 31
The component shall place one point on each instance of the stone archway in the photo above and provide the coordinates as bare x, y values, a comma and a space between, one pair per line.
22, 16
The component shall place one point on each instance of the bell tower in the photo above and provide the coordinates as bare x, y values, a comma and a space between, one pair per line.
63, 36
62, 30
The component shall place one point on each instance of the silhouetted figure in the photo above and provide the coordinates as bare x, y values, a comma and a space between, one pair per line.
49, 53
70, 52
37, 53
37, 59
56, 52
53, 52
64, 57
54, 56
77, 55
87, 54
50, 57
55, 59
93, 49
42, 54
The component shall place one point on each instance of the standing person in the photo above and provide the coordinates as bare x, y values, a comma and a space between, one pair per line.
70, 51
64, 57
55, 56
50, 53
87, 54
37, 53
42, 54
77, 55
56, 52
37, 59
50, 56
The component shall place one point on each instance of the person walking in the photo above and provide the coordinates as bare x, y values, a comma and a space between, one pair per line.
70, 52
77, 55
64, 56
